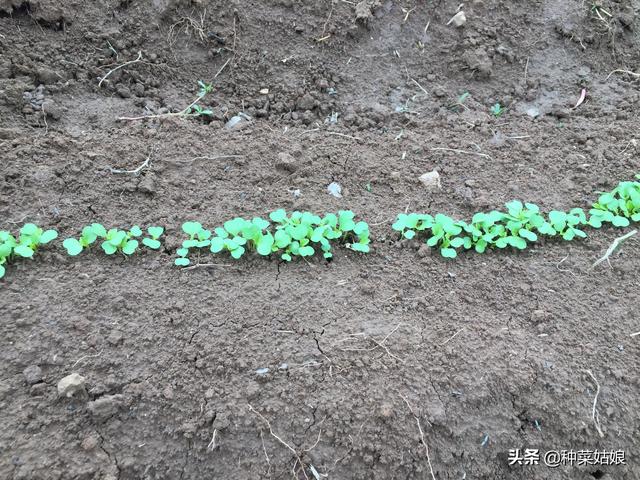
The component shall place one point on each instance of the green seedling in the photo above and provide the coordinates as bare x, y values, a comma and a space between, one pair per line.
459, 103
31, 237
90, 234
299, 234
497, 110
114, 240
195, 109
152, 241
618, 206
522, 223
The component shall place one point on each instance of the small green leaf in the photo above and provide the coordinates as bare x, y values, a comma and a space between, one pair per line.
155, 232
620, 221
237, 253
359, 247
183, 252
73, 246
2, 270
23, 251
109, 248
532, 237
130, 247
448, 253
98, 230
409, 234
306, 251
151, 243
278, 215
181, 262
217, 244
263, 247
191, 228
135, 231
286, 256
47, 236
29, 229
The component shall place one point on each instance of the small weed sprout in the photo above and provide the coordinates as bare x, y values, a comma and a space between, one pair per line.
497, 110
30, 238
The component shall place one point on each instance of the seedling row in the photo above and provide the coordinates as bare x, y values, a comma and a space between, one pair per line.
304, 234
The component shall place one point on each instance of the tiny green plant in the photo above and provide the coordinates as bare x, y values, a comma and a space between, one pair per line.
195, 109
497, 110
30, 238
300, 234
113, 240
459, 103
521, 224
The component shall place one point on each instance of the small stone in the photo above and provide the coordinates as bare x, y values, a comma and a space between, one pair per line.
123, 91
237, 122
264, 91
306, 102
363, 11
116, 337
538, 316
431, 179
105, 406
147, 185
386, 410
459, 19
533, 112
70, 385
262, 371
168, 392
52, 110
286, 162
32, 374
89, 443
47, 76
424, 251
335, 189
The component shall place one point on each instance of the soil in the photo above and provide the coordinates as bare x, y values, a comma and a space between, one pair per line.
489, 352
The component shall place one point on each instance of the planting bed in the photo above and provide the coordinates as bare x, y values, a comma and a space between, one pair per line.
261, 368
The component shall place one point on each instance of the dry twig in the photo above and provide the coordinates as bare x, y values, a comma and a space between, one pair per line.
612, 248
424, 442
594, 413
138, 59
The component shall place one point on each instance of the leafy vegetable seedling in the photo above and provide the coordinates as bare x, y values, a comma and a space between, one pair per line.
114, 240
31, 237
299, 234
497, 110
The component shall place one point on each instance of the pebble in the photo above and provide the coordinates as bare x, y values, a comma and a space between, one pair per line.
47, 76
533, 112
32, 374
262, 371
237, 121
105, 406
116, 337
286, 162
459, 19
335, 189
306, 102
123, 91
431, 179
70, 385
147, 185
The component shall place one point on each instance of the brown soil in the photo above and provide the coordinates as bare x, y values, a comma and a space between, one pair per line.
490, 351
